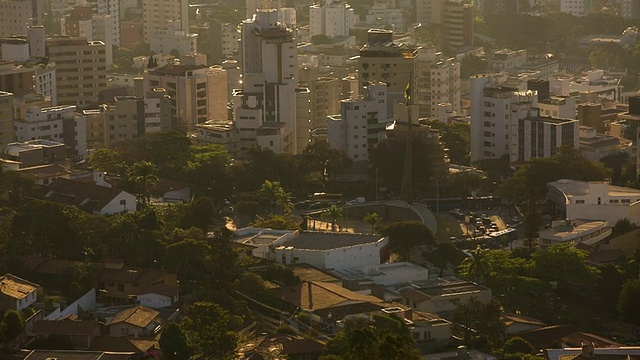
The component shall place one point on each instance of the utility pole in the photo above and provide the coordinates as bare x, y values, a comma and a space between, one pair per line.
407, 184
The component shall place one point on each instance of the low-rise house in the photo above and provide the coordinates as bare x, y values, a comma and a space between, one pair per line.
16, 293
118, 284
428, 327
138, 346
442, 295
171, 191
138, 321
292, 347
516, 323
78, 334
91, 198
46, 174
75, 355
156, 296
589, 351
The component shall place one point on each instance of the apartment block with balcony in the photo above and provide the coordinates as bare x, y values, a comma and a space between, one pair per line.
437, 82
81, 69
156, 14
197, 92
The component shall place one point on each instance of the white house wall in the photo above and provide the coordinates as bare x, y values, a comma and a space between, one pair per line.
115, 207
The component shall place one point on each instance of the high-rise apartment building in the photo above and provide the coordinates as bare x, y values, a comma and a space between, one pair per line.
383, 60
82, 22
356, 129
265, 108
576, 7
437, 82
507, 122
331, 18
58, 123
429, 12
81, 69
157, 14
111, 8
252, 6
198, 92
457, 21
630, 9
17, 15
6, 119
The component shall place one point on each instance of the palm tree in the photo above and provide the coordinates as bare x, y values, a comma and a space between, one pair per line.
270, 189
372, 219
143, 176
476, 266
283, 200
335, 214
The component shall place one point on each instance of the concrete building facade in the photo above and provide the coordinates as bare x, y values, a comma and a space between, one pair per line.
437, 82
81, 69
331, 18
157, 14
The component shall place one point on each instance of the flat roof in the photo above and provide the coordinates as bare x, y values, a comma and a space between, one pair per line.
572, 229
313, 240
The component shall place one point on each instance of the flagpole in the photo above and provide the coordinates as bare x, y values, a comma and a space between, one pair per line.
407, 174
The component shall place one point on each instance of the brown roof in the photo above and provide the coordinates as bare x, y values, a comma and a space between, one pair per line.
175, 70
66, 327
301, 346
121, 343
545, 336
160, 289
15, 287
511, 319
324, 295
142, 276
578, 338
87, 197
605, 256
46, 171
340, 312
165, 185
414, 295
46, 266
76, 355
139, 316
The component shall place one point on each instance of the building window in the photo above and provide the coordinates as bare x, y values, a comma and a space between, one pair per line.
579, 201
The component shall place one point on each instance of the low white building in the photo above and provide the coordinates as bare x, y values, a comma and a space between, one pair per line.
157, 296
332, 250
576, 231
596, 200
442, 295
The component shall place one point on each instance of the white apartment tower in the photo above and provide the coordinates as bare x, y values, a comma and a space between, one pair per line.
111, 8
630, 9
492, 117
437, 82
58, 123
157, 14
331, 18
429, 12
360, 122
266, 105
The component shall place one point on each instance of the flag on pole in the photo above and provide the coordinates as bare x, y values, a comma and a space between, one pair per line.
407, 94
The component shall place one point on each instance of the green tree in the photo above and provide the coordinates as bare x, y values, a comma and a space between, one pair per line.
109, 161
564, 263
206, 326
276, 222
443, 254
283, 201
628, 301
173, 343
200, 213
208, 171
143, 177
188, 258
480, 323
476, 267
406, 236
372, 219
334, 213
12, 324
270, 191
517, 345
